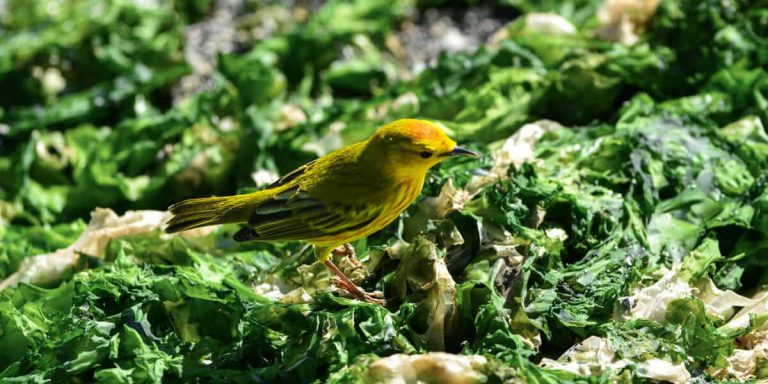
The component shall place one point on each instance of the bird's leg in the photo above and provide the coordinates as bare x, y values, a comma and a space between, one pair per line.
353, 289
348, 251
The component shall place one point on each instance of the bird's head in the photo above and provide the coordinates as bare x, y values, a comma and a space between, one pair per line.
414, 145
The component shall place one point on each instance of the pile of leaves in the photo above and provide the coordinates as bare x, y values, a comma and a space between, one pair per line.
615, 229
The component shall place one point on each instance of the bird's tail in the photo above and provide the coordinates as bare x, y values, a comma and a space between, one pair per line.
194, 213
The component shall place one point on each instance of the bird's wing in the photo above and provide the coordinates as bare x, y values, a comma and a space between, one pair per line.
294, 215
293, 174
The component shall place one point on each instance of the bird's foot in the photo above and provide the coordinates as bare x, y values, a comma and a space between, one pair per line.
376, 297
348, 251
353, 290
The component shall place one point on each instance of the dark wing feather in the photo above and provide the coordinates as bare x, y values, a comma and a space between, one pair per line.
294, 215
292, 175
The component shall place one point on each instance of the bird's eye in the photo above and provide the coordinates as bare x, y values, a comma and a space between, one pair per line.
425, 154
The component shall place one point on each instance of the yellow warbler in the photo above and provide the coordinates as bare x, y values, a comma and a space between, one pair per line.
343, 196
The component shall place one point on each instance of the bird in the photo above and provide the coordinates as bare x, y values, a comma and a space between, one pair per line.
338, 198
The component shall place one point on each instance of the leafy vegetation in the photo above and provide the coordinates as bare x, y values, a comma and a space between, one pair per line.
616, 228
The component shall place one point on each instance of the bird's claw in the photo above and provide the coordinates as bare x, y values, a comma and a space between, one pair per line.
348, 251
376, 297
342, 281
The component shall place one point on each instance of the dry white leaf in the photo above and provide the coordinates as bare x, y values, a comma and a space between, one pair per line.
745, 363
549, 23
433, 367
104, 226
593, 356
651, 302
624, 20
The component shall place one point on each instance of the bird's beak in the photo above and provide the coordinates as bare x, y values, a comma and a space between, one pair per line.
461, 151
